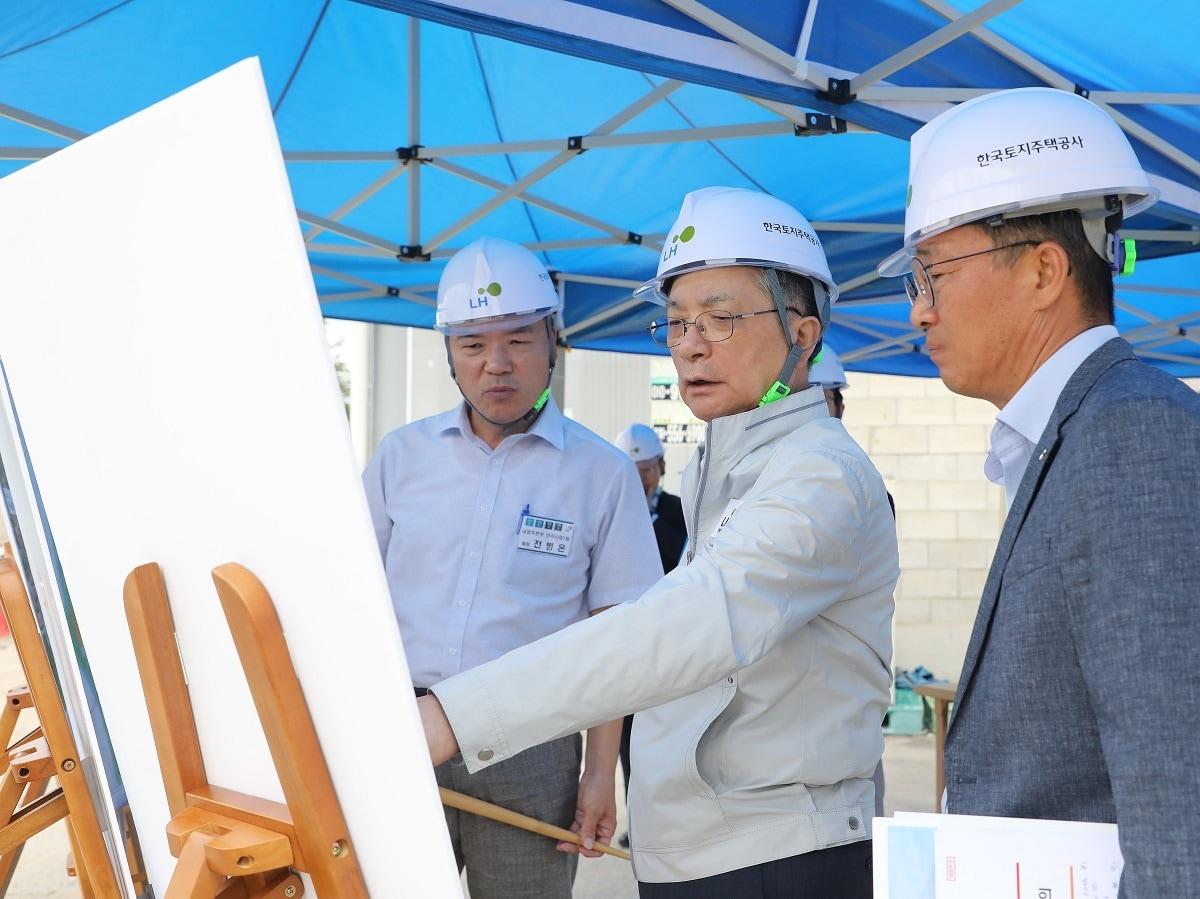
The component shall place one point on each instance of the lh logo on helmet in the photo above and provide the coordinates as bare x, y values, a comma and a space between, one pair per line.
676, 239
482, 293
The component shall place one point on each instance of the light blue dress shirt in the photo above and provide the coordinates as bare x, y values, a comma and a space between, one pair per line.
1020, 424
448, 513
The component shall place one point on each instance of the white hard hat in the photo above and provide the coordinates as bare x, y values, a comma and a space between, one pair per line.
722, 226
828, 371
493, 285
1016, 152
640, 442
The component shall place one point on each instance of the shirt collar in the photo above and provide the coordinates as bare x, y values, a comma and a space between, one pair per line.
550, 425
1029, 411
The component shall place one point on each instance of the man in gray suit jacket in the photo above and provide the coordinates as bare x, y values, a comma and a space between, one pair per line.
1079, 698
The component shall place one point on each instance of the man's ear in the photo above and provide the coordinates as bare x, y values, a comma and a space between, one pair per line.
1046, 269
806, 330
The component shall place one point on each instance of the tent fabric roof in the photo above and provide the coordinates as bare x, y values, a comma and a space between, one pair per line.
576, 127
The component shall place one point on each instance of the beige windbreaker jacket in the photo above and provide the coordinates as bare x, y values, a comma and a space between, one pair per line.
763, 664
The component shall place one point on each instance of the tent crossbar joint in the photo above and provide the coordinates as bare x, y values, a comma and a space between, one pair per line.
410, 154
633, 238
1082, 91
413, 252
815, 123
838, 92
575, 143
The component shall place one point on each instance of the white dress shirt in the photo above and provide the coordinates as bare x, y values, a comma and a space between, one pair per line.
1020, 424
450, 514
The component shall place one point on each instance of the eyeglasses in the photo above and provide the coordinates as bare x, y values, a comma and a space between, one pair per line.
919, 285
715, 325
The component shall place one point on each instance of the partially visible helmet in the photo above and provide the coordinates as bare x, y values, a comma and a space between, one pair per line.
1020, 152
640, 442
828, 371
493, 285
722, 226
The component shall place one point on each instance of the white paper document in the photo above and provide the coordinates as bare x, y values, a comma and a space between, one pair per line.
922, 856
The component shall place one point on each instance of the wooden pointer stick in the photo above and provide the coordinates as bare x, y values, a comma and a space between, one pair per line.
505, 816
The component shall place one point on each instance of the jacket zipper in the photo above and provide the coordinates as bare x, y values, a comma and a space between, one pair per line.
704, 466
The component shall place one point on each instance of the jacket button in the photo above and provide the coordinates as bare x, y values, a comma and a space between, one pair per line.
853, 822
485, 755
730, 679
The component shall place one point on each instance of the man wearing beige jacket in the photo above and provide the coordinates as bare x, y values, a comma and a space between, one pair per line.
764, 659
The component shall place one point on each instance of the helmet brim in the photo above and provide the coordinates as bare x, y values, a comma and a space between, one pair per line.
652, 292
493, 324
1134, 200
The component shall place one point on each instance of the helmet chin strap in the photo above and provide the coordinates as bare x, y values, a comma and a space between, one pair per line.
510, 427
796, 351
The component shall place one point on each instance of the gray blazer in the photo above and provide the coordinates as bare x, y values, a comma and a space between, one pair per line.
1079, 697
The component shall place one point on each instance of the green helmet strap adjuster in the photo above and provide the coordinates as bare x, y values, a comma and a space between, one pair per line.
1130, 256
776, 391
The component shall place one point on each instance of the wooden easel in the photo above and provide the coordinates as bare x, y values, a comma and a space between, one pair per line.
231, 844
49, 751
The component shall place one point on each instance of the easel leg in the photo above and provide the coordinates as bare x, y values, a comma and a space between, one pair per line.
85, 884
10, 795
12, 711
8, 862
193, 879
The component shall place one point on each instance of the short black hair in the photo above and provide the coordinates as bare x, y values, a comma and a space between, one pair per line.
1092, 274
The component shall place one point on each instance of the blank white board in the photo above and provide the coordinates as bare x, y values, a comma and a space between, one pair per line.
167, 360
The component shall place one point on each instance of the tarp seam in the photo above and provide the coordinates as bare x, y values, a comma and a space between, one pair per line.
78, 25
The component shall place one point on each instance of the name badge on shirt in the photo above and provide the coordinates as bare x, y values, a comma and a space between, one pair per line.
725, 516
545, 535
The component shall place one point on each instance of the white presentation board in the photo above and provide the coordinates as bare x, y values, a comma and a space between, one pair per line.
166, 357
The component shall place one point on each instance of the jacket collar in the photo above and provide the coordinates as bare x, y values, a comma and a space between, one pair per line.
732, 437
1078, 387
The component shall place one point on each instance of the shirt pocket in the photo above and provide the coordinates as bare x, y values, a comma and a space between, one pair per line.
547, 576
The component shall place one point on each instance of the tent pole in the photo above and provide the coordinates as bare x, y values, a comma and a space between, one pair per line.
339, 249
350, 295
853, 283
40, 123
599, 279
905, 340
603, 141
952, 30
1156, 323
745, 39
375, 287
630, 112
798, 116
358, 199
583, 243
1054, 79
26, 154
592, 320
863, 227
810, 18
854, 355
541, 203
1171, 291
414, 129
333, 227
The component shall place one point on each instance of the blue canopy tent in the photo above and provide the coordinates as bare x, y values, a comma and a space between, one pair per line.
576, 127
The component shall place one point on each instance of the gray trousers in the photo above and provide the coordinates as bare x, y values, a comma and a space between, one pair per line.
504, 862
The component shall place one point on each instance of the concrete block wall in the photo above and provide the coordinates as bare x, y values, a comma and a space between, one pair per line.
929, 445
